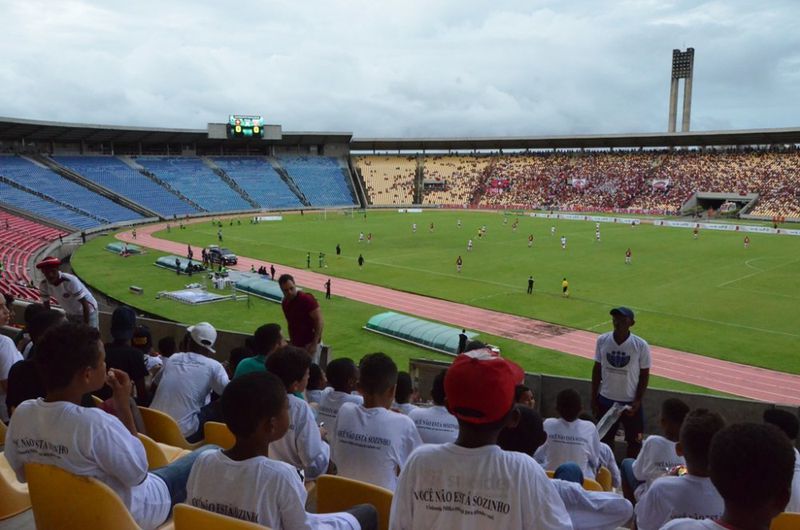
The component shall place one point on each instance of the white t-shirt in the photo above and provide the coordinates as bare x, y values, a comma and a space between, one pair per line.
593, 510
575, 441
656, 458
302, 446
90, 443
259, 490
448, 486
404, 408
331, 402
692, 524
68, 293
8, 356
185, 385
608, 460
621, 364
372, 445
435, 424
675, 497
794, 501
314, 396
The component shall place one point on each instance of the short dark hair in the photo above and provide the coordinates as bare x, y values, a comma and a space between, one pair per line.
784, 420
64, 350
237, 355
568, 404
474, 345
698, 428
42, 321
289, 363
167, 346
437, 391
283, 278
404, 389
31, 311
339, 372
266, 338
527, 436
673, 410
377, 373
251, 398
314, 377
751, 464
519, 390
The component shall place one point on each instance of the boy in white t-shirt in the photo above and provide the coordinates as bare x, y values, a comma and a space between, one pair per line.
595, 510
789, 424
57, 431
658, 455
342, 374
9, 355
302, 446
691, 495
404, 394
242, 482
751, 466
473, 484
369, 442
435, 424
187, 380
570, 439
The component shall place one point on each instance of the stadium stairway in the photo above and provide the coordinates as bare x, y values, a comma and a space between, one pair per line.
229, 181
152, 176
288, 180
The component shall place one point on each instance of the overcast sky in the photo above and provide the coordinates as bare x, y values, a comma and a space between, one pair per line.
400, 68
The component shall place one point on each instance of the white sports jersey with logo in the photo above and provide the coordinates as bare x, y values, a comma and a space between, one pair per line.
621, 364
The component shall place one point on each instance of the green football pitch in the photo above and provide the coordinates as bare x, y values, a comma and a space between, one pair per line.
708, 295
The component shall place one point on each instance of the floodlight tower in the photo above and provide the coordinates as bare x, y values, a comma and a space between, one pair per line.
682, 68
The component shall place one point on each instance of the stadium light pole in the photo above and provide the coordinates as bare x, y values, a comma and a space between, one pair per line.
682, 68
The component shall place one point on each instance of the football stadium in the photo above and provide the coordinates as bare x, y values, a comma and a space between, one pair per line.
358, 311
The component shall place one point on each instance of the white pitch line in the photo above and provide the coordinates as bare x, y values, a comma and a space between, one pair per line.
757, 273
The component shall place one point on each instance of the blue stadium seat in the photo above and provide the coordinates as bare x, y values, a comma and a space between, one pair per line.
321, 179
260, 180
38, 206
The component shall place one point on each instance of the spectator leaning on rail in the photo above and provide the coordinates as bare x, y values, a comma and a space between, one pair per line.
70, 293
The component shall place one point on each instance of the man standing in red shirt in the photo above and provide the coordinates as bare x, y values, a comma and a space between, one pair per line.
303, 317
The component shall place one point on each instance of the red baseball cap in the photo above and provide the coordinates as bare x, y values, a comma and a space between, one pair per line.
50, 261
479, 386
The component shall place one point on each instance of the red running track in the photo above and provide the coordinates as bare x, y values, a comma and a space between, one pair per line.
738, 379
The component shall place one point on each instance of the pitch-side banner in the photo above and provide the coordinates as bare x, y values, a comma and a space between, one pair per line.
727, 227
595, 218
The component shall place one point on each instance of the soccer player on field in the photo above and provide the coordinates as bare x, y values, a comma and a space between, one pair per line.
414, 227
530, 241
563, 242
469, 246
628, 256
459, 263
597, 235
565, 288
746, 241
695, 231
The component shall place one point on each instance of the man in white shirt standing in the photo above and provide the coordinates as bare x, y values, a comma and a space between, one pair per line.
620, 375
70, 293
187, 379
435, 424
9, 355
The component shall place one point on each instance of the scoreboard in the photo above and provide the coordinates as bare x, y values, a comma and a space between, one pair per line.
243, 126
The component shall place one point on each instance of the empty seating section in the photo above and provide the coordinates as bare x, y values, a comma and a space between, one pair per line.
19, 240
388, 179
461, 175
116, 175
195, 180
259, 179
54, 185
44, 208
321, 179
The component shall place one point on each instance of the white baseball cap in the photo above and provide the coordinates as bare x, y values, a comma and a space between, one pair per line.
204, 334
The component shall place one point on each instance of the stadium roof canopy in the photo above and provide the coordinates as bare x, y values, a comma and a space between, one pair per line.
13, 129
680, 139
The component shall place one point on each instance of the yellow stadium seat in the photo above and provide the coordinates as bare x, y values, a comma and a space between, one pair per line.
188, 517
786, 521
604, 478
98, 402
336, 494
218, 433
162, 428
3, 430
158, 454
14, 498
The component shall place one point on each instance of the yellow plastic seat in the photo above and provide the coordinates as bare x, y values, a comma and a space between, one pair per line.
162, 428
604, 478
218, 434
14, 498
336, 494
98, 402
786, 521
158, 454
186, 517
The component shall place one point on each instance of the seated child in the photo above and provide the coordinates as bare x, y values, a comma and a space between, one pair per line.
595, 510
789, 424
403, 394
690, 495
472, 483
435, 424
369, 442
570, 439
751, 467
71, 359
658, 455
243, 482
342, 374
316, 383
302, 446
